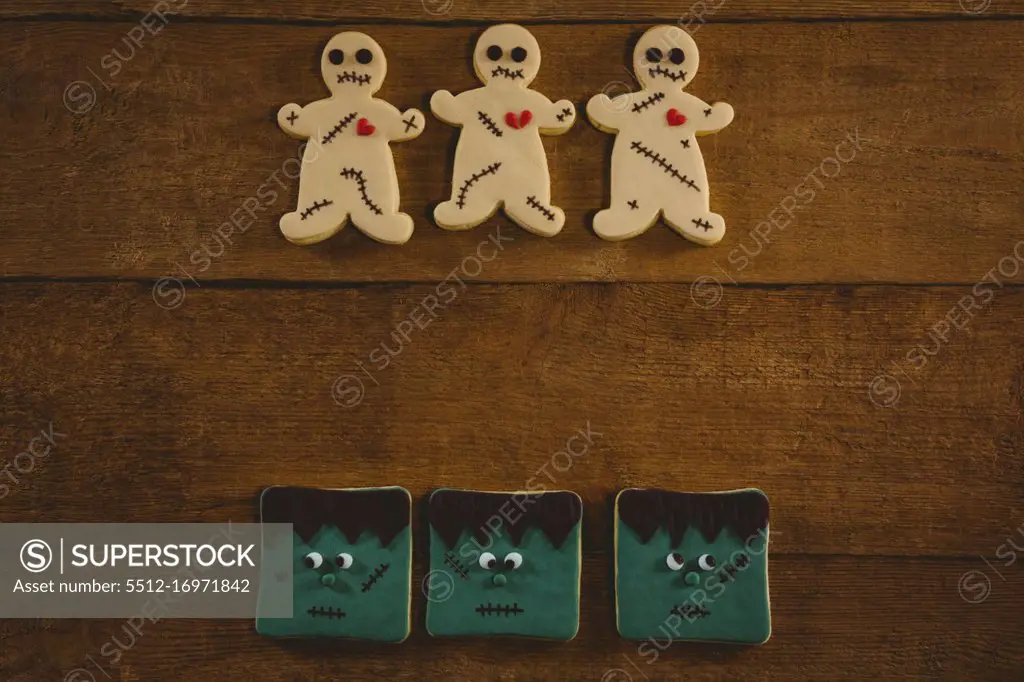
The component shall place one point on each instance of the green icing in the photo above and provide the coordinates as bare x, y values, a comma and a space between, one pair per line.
374, 599
539, 598
728, 603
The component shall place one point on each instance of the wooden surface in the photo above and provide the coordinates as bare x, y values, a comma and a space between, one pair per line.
826, 362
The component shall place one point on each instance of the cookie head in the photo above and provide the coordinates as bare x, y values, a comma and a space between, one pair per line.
351, 558
504, 564
692, 566
507, 54
353, 62
665, 56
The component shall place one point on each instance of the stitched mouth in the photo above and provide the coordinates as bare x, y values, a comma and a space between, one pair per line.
499, 609
354, 77
690, 612
661, 71
507, 73
330, 612
377, 574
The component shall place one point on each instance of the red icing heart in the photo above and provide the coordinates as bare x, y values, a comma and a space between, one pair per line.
675, 118
364, 128
520, 121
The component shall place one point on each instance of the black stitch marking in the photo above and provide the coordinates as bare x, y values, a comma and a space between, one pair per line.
489, 170
548, 213
659, 160
489, 124
702, 223
353, 77
317, 205
507, 73
633, 205
338, 129
357, 175
292, 118
686, 144
649, 102
499, 609
707, 112
690, 611
330, 612
566, 113
452, 561
742, 560
661, 71
410, 123
377, 574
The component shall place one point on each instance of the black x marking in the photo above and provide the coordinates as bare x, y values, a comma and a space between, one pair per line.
707, 112
633, 205
410, 123
686, 144
292, 117
701, 223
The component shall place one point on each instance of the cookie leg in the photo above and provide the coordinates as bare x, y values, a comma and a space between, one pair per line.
393, 228
535, 214
474, 196
706, 229
625, 218
315, 221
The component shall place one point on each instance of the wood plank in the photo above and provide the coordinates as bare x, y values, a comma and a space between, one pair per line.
834, 618
687, 13
138, 185
186, 414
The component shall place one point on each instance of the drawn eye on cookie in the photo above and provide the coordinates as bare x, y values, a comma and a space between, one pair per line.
706, 562
353, 62
675, 561
313, 560
344, 561
513, 560
488, 561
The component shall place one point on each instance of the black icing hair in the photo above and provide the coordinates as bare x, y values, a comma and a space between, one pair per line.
384, 511
480, 513
745, 512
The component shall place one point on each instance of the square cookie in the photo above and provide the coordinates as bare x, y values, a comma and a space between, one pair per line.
352, 553
504, 563
692, 566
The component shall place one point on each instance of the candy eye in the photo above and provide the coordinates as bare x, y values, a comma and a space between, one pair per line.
488, 561
336, 57
654, 55
313, 560
364, 56
494, 53
513, 560
344, 560
675, 561
706, 562
676, 56
519, 54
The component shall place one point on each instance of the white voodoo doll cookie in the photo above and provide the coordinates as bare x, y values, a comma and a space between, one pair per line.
500, 158
657, 168
347, 167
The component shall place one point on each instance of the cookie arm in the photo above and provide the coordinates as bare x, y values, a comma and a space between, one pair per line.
556, 118
401, 126
445, 106
721, 115
292, 120
607, 113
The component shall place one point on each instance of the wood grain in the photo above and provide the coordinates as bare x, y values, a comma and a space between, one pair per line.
185, 134
687, 12
186, 414
833, 618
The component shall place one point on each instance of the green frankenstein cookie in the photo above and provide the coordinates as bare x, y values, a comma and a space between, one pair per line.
352, 553
504, 564
692, 566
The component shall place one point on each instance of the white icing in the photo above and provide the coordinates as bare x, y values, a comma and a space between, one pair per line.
500, 159
347, 168
657, 168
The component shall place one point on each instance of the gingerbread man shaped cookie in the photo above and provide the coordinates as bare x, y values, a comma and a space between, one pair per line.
500, 159
657, 168
347, 168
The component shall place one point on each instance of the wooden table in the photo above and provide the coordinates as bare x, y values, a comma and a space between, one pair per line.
861, 361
